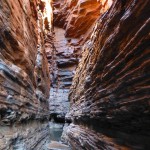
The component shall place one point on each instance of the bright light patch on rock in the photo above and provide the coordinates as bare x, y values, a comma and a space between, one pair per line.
48, 10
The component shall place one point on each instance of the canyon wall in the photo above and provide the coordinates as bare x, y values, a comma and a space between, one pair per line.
64, 62
24, 72
73, 23
110, 92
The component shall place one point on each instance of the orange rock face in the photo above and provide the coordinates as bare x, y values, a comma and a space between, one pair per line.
24, 73
110, 92
78, 16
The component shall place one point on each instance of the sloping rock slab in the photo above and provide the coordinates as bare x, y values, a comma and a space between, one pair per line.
54, 145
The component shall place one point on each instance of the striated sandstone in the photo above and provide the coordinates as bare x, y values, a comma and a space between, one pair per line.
77, 16
24, 76
73, 22
64, 61
28, 136
110, 89
82, 137
109, 95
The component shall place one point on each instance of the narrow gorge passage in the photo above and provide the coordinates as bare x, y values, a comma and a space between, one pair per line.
74, 75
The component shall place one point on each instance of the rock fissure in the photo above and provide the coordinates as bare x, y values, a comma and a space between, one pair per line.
74, 74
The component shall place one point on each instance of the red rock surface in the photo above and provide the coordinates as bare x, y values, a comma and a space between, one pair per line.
77, 16
111, 87
24, 76
24, 73
110, 92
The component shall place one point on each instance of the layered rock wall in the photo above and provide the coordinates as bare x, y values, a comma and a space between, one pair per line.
78, 16
110, 90
24, 75
73, 23
64, 62
28, 136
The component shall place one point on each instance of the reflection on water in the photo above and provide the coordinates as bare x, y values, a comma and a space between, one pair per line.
19, 145
33, 135
56, 130
55, 134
